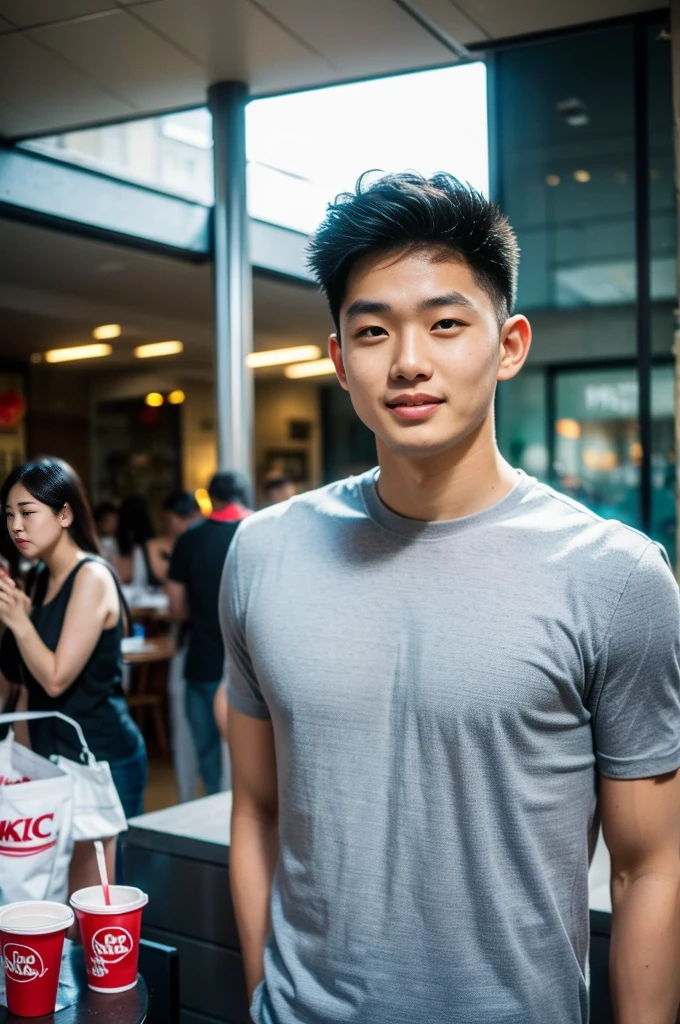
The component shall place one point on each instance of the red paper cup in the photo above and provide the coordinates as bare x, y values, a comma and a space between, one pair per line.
110, 935
31, 939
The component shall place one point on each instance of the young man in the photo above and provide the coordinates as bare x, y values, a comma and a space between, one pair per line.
441, 672
193, 588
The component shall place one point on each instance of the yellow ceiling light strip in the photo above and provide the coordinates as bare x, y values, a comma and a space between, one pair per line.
319, 368
159, 348
65, 355
281, 356
107, 331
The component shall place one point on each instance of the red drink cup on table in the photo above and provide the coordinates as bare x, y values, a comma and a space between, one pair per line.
110, 935
31, 939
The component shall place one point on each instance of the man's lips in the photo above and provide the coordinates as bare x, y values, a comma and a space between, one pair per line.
414, 406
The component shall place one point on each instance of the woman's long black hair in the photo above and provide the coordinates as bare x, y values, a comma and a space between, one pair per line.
134, 524
53, 482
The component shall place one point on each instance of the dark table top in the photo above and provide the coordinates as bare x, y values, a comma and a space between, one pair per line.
76, 1004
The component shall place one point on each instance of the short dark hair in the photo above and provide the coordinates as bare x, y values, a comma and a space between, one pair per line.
182, 504
229, 486
407, 212
272, 482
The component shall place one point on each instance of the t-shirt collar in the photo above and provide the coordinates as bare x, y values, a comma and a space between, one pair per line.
231, 513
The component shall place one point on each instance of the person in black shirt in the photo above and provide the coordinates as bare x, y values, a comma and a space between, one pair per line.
64, 645
193, 588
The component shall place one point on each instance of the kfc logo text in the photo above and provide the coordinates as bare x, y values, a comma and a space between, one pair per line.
22, 963
25, 837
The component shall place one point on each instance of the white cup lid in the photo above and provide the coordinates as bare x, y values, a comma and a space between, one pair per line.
35, 917
123, 899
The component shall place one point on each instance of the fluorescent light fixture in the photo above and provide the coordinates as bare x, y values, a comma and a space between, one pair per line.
159, 348
280, 356
176, 397
106, 331
65, 355
318, 368
154, 399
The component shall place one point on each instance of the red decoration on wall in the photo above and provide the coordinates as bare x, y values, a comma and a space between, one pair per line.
148, 417
12, 409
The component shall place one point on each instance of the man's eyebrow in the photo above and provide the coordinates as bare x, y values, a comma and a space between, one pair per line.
363, 306
450, 299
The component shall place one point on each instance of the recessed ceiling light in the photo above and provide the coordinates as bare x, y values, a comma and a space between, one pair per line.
552, 180
176, 397
318, 368
281, 356
582, 176
106, 331
159, 348
65, 355
154, 399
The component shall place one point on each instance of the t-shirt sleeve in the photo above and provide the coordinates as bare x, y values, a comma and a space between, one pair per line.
243, 689
636, 718
179, 561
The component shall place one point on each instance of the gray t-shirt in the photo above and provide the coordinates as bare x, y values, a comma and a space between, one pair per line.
441, 695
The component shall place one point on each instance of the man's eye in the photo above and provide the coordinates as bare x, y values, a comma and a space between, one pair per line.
447, 325
372, 332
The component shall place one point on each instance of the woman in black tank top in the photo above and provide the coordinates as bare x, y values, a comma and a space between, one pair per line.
64, 646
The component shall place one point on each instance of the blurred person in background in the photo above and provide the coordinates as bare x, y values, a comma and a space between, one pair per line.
278, 487
106, 523
62, 643
180, 511
135, 531
193, 588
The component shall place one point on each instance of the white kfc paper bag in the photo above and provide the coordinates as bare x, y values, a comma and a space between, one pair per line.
36, 840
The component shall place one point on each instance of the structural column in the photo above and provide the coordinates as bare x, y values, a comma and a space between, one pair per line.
232, 279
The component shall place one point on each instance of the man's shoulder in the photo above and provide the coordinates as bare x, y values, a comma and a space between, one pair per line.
325, 507
577, 533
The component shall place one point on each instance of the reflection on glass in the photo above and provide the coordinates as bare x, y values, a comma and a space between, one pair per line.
661, 188
663, 460
521, 422
566, 165
597, 450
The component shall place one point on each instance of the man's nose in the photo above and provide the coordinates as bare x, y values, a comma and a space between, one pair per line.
412, 357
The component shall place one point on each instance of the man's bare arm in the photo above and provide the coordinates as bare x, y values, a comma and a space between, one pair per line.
641, 825
254, 835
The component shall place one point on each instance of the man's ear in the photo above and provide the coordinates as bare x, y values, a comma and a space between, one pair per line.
335, 352
515, 343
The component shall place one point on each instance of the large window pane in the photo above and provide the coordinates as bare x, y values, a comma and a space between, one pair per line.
663, 460
305, 148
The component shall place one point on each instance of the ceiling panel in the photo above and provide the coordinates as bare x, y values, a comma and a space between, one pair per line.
124, 55
37, 12
237, 42
446, 15
502, 19
46, 91
359, 37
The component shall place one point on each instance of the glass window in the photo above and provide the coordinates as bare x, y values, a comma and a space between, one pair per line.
172, 153
304, 148
663, 224
597, 451
566, 168
663, 460
521, 422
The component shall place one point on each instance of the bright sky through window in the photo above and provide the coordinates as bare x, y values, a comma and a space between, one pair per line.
305, 148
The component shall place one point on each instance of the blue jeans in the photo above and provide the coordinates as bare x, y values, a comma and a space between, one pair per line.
129, 778
199, 699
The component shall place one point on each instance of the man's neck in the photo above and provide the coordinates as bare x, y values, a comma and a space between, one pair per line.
455, 483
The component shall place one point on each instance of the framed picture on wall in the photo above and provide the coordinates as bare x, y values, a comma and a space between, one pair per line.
291, 462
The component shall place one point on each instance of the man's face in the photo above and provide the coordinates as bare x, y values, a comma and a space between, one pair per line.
421, 348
